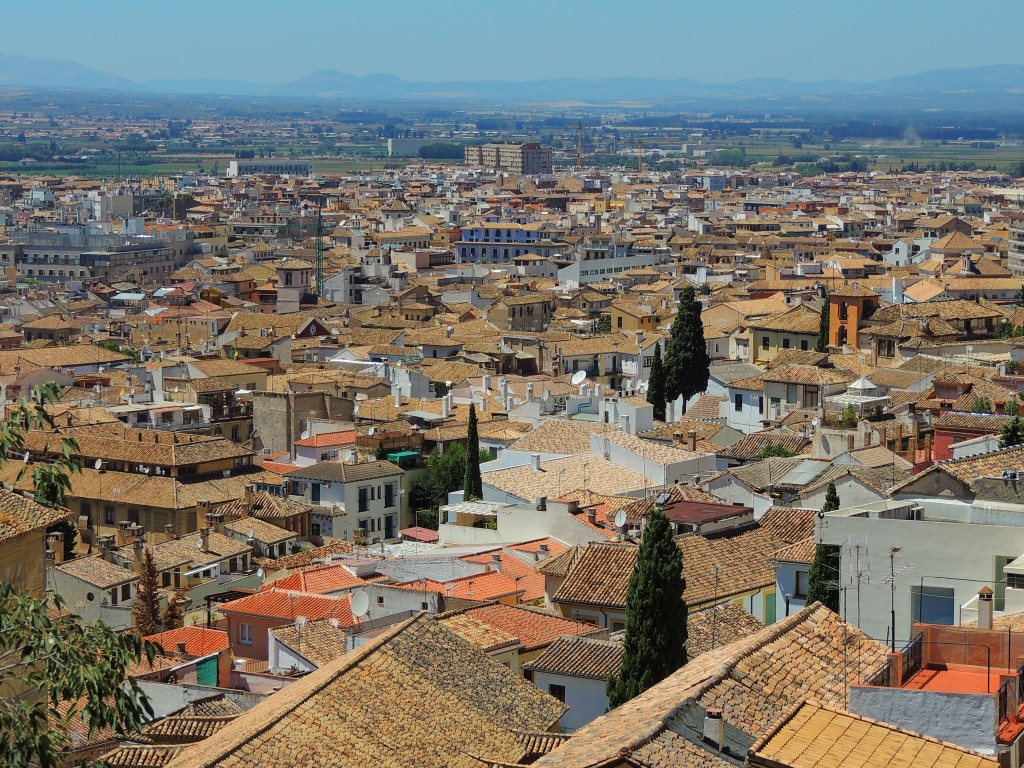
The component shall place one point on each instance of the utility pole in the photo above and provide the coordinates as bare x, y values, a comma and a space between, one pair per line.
892, 595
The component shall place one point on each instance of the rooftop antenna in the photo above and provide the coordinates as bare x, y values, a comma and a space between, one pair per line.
319, 252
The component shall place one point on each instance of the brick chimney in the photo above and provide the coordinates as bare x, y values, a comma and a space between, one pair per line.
495, 564
138, 555
55, 547
691, 440
204, 538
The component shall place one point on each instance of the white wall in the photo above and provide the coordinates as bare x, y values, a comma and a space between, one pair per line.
586, 698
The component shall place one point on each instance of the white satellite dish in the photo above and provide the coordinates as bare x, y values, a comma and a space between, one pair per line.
620, 518
642, 389
304, 435
98, 464
199, 543
578, 378
25, 457
250, 534
360, 603
372, 431
260, 573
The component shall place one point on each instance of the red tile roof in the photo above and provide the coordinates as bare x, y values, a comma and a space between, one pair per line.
318, 579
286, 606
328, 439
480, 586
199, 641
533, 628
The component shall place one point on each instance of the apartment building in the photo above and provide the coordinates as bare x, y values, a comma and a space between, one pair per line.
502, 241
530, 159
1015, 253
270, 165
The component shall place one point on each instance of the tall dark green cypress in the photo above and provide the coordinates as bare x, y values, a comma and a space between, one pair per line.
474, 487
823, 329
655, 643
656, 385
687, 363
823, 576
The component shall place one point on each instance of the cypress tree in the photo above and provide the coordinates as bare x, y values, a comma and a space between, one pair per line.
473, 484
687, 364
823, 576
823, 329
146, 608
656, 385
655, 643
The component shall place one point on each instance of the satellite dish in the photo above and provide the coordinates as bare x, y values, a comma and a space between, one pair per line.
620, 518
25, 457
199, 543
372, 431
642, 389
304, 435
260, 573
360, 603
250, 534
98, 464
578, 378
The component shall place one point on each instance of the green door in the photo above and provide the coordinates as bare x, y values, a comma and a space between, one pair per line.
769, 608
207, 672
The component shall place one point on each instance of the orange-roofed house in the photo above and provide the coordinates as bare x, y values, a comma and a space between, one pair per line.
490, 585
319, 580
205, 655
327, 446
250, 618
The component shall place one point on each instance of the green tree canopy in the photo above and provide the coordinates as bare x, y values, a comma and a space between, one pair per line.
687, 364
59, 671
1012, 432
446, 472
823, 576
655, 643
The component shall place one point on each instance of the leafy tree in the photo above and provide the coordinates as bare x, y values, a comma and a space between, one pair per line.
56, 672
1012, 432
775, 452
823, 329
655, 643
656, 385
174, 613
381, 453
604, 325
831, 499
849, 417
1020, 296
981, 405
441, 151
473, 484
687, 364
146, 608
446, 472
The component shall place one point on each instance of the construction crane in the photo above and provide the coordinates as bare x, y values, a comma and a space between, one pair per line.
319, 253
579, 146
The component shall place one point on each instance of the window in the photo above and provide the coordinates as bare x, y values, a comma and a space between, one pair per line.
558, 691
785, 343
764, 343
245, 634
126, 591
108, 515
803, 345
800, 588
737, 402
364, 503
932, 605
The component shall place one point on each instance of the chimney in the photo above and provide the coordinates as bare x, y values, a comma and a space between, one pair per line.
215, 520
714, 727
597, 390
583, 389
202, 510
850, 442
542, 552
180, 648
485, 382
897, 290
250, 498
592, 515
398, 397
106, 545
169, 532
483, 404
504, 391
55, 547
495, 564
446, 409
541, 502
625, 423
138, 560
928, 447
639, 338
535, 461
985, 607
204, 538
529, 391
670, 408
691, 440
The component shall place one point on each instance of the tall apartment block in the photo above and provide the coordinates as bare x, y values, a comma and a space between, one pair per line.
528, 159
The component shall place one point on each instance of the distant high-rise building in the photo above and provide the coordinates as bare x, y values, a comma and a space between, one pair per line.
270, 166
528, 159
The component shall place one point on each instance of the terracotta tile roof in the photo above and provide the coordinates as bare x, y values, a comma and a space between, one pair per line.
473, 629
800, 552
416, 696
319, 641
751, 446
97, 571
799, 319
812, 736
579, 657
308, 556
718, 625
318, 580
706, 408
199, 641
582, 471
489, 585
808, 374
141, 756
754, 681
185, 730
343, 472
286, 606
534, 628
328, 439
259, 530
19, 515
210, 706
265, 506
559, 436
983, 423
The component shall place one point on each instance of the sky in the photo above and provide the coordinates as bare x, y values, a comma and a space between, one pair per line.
277, 42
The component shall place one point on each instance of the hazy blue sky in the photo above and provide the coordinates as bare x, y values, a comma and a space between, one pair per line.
517, 39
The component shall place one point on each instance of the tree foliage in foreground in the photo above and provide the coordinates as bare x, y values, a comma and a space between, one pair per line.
53, 673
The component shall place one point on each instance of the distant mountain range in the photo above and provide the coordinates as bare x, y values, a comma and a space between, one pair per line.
994, 87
